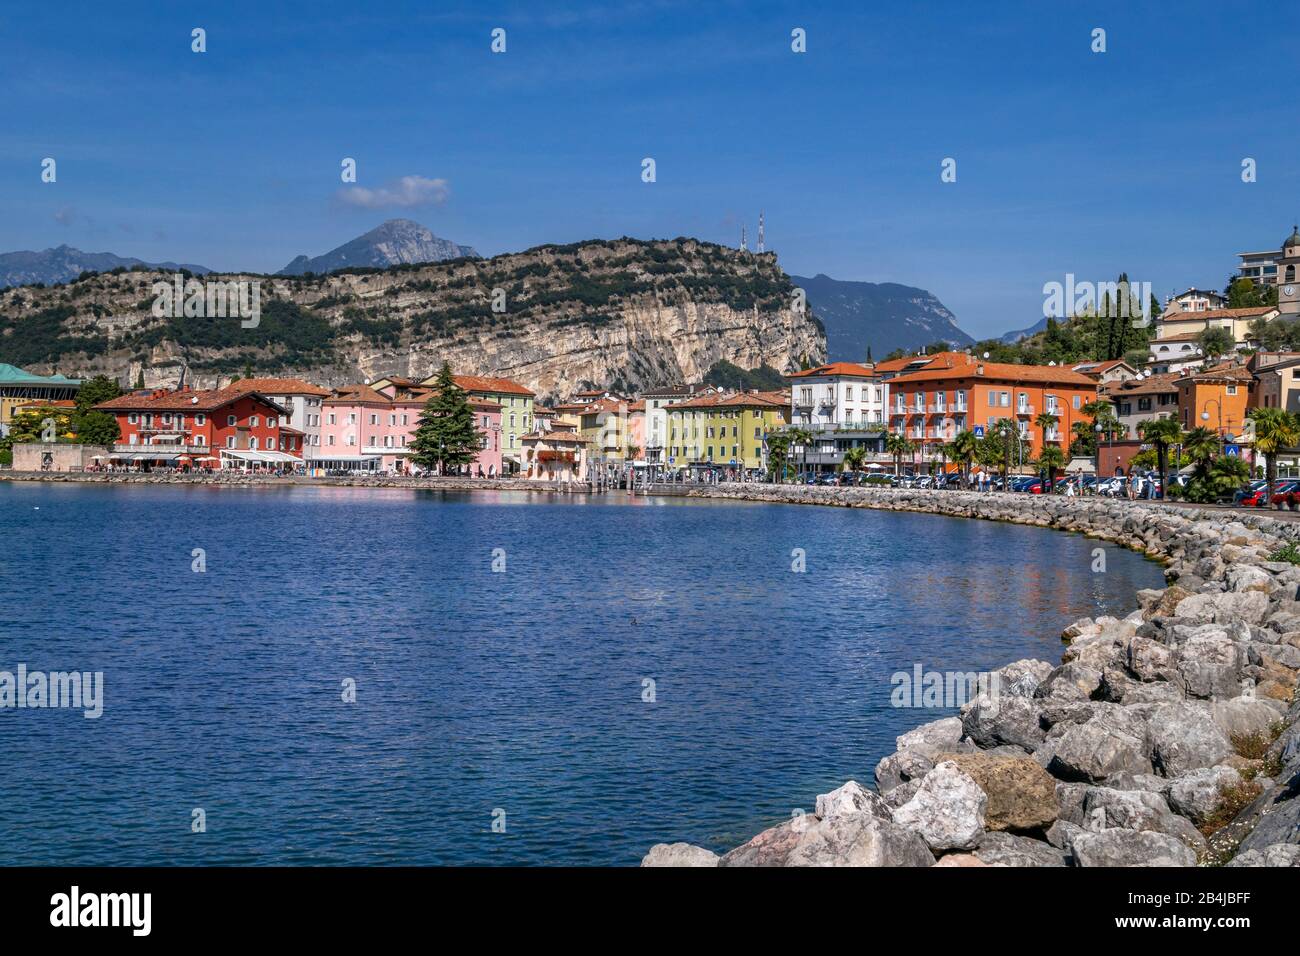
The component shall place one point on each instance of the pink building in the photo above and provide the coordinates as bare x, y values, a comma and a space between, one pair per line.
364, 429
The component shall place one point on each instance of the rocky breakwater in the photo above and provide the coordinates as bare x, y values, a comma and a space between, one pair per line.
1170, 737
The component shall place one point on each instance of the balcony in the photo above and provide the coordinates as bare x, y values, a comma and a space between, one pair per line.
160, 448
937, 408
1023, 411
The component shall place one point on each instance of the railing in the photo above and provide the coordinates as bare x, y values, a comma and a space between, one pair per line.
1024, 409
937, 408
159, 448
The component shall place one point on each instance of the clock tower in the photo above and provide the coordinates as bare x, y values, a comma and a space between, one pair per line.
1288, 277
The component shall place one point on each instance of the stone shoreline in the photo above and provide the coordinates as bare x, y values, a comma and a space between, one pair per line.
1170, 737
224, 478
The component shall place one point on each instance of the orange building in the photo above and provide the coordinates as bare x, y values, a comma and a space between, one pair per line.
956, 392
1216, 398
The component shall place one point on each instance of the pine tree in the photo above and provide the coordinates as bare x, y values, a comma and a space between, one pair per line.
446, 436
139, 379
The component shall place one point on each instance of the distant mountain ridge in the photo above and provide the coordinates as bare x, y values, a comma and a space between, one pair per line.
395, 242
1014, 336
64, 263
885, 316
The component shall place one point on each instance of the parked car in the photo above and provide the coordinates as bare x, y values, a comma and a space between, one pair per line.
1285, 495
1260, 498
1249, 496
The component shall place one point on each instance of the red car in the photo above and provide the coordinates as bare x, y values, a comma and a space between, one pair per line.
1286, 494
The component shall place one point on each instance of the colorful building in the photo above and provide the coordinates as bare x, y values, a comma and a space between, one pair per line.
20, 387
232, 427
1142, 399
516, 403
302, 400
554, 454
842, 405
370, 429
724, 430
1216, 398
957, 392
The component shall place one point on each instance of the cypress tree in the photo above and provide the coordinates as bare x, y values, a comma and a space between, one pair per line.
446, 436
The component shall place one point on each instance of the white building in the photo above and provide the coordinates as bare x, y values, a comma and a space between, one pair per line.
303, 402
843, 405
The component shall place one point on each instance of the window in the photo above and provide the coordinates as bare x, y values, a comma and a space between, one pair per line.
230, 441
352, 418
1077, 401
331, 418
329, 439
252, 421
167, 418
1232, 389
270, 421
133, 418
374, 419
230, 419
848, 393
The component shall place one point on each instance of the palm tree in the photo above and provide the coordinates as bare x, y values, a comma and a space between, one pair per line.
854, 459
898, 446
1275, 430
1046, 421
1162, 433
964, 446
1201, 444
803, 438
778, 453
1005, 431
1051, 458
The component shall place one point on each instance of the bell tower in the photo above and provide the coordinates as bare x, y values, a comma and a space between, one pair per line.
1288, 277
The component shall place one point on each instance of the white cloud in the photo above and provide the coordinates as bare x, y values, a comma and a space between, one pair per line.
403, 193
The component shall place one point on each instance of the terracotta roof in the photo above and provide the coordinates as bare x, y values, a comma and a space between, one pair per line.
202, 401
1179, 337
565, 437
357, 395
837, 368
897, 365
1141, 386
482, 383
541, 411
484, 405
606, 406
1098, 368
565, 407
281, 386
1224, 371
950, 365
733, 400
1217, 314
637, 406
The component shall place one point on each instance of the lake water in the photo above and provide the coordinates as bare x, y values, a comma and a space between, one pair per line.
515, 696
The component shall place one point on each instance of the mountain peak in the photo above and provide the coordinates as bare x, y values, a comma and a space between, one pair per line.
394, 242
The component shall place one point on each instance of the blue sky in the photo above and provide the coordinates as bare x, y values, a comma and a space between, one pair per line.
1067, 160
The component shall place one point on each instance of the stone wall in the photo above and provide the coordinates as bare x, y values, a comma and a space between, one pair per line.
29, 456
1169, 737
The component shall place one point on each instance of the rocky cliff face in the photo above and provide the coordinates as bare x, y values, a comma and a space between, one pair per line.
623, 313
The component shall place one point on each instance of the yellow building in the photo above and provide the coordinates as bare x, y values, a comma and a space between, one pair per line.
19, 387
724, 430
604, 424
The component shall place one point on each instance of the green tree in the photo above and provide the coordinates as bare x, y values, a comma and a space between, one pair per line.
778, 454
855, 459
1046, 421
1050, 459
965, 447
445, 436
1162, 433
95, 427
139, 379
1275, 430
898, 445
1215, 342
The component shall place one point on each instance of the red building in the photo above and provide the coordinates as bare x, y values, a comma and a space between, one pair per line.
232, 427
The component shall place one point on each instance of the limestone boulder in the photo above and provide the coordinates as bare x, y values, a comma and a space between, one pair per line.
948, 810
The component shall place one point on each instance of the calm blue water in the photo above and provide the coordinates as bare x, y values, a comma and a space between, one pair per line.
478, 691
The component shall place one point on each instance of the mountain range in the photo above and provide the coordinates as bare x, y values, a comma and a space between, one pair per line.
64, 263
395, 242
881, 316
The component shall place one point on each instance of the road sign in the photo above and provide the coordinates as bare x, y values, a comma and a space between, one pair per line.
1234, 450
979, 431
